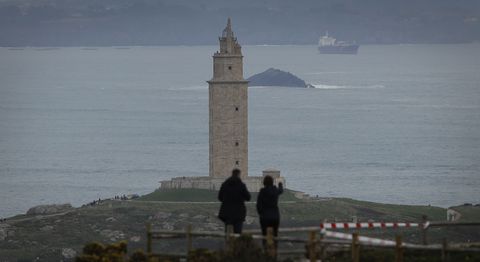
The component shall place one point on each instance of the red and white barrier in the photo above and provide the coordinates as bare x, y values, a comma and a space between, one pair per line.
361, 239
371, 225
368, 225
373, 241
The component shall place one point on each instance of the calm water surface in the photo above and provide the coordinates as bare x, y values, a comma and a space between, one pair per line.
395, 124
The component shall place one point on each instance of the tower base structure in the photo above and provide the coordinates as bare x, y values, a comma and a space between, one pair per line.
253, 183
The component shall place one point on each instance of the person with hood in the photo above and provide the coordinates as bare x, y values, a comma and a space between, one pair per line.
233, 194
267, 206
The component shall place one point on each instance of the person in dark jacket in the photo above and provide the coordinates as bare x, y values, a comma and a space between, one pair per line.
267, 205
233, 194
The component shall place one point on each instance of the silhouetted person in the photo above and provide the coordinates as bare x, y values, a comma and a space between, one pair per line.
267, 206
233, 194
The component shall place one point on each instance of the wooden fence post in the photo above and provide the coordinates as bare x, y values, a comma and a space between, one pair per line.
398, 249
355, 248
444, 250
312, 246
149, 239
188, 233
424, 230
270, 242
322, 247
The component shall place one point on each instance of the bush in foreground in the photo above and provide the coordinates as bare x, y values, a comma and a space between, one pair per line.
240, 249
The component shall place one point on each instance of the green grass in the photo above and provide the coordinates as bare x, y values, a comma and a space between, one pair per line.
469, 213
181, 195
406, 212
199, 195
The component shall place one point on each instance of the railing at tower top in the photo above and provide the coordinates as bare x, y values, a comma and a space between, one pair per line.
319, 239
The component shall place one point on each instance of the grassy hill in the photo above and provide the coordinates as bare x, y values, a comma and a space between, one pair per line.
199, 195
47, 236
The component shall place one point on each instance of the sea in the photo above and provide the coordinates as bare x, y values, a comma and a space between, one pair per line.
394, 124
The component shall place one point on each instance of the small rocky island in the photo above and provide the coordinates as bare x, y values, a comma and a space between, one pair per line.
276, 77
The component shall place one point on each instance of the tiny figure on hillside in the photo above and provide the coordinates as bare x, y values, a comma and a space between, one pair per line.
233, 194
267, 206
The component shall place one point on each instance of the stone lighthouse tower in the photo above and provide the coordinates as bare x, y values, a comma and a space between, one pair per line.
228, 123
228, 108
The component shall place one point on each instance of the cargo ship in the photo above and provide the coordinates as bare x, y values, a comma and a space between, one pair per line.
330, 45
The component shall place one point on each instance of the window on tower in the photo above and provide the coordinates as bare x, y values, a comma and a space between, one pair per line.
229, 67
236, 108
237, 162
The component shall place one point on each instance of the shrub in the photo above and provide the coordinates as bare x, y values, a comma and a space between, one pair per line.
97, 252
240, 249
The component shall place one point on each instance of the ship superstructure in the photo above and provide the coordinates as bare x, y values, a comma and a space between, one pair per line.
330, 45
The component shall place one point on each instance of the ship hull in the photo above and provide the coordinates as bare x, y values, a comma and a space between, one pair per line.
335, 49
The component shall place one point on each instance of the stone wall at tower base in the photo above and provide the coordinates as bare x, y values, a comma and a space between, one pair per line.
253, 183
